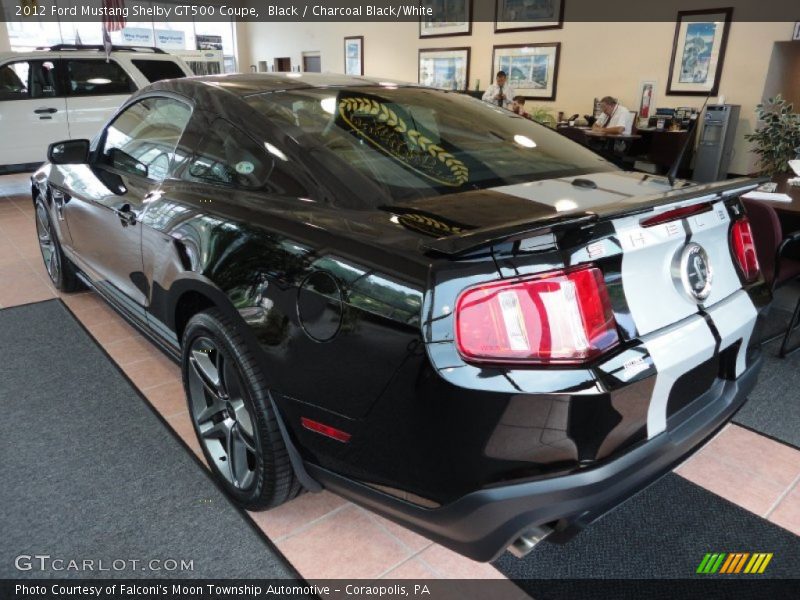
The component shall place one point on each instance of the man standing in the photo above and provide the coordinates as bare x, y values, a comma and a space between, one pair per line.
500, 93
616, 119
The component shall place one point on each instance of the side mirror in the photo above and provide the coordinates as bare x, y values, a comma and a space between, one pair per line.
69, 152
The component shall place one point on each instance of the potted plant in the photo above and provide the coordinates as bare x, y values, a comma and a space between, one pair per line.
543, 116
777, 141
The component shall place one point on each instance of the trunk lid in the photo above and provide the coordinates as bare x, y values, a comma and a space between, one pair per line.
560, 223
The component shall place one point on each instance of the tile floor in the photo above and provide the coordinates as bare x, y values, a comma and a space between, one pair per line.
748, 469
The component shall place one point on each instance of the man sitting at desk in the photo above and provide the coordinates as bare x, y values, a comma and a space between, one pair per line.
616, 119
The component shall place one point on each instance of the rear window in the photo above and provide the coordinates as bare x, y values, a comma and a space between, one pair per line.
156, 70
418, 142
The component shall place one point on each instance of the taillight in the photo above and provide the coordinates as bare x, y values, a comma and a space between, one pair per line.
559, 317
744, 249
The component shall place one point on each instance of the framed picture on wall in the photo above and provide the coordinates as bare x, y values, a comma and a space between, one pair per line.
527, 15
532, 69
698, 51
450, 17
354, 55
444, 68
647, 102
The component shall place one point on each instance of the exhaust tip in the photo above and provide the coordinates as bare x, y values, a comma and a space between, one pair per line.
526, 542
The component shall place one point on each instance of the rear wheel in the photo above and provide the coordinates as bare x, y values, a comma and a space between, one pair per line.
232, 414
59, 267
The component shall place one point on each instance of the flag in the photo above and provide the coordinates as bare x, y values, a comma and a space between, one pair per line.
107, 43
113, 15
113, 20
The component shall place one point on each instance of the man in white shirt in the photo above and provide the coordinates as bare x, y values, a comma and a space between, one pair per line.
500, 93
616, 119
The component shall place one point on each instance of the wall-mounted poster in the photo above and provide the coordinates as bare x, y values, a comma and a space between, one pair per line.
532, 69
137, 36
698, 51
450, 17
354, 55
445, 68
525, 15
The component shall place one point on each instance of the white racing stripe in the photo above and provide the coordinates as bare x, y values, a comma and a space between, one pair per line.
563, 196
676, 336
735, 319
674, 351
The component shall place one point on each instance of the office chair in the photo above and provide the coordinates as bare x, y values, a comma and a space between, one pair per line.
777, 268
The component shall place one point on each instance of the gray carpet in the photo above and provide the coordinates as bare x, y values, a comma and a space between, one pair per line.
88, 471
773, 408
663, 532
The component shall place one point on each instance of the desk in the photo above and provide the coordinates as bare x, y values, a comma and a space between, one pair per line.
611, 136
788, 212
661, 147
615, 147
658, 146
789, 209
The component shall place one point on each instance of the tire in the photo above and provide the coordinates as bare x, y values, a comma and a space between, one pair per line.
58, 266
232, 414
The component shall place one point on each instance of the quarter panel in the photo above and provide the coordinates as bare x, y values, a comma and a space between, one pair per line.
257, 251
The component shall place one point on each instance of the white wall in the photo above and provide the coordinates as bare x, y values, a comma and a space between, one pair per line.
596, 59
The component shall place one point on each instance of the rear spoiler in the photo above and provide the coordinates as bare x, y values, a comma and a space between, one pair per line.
458, 245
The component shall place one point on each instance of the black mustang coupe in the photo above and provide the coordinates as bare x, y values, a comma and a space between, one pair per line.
448, 313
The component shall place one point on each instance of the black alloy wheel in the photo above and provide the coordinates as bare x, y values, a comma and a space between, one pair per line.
59, 267
231, 411
222, 419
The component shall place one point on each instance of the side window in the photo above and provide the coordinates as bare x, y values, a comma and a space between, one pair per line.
228, 156
142, 139
96, 77
23, 79
156, 70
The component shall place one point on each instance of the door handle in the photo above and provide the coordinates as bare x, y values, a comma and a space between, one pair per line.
126, 215
45, 111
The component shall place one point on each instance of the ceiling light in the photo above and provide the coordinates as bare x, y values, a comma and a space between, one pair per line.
566, 204
524, 141
329, 104
274, 151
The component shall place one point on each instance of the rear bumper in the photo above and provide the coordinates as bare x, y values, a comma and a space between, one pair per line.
482, 524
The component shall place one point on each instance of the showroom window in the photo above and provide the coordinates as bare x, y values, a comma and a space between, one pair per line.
24, 79
226, 156
88, 77
175, 37
142, 139
156, 70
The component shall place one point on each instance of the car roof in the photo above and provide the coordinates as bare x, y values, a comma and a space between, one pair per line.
27, 54
248, 84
